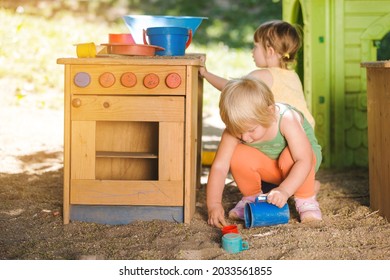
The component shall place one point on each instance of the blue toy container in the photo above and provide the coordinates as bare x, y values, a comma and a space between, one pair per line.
174, 40
262, 213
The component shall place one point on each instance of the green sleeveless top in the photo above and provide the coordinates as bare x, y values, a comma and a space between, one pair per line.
273, 148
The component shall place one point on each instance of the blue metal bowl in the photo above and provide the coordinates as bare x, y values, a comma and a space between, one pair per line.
138, 23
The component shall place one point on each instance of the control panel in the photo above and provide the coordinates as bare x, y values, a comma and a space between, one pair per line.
128, 80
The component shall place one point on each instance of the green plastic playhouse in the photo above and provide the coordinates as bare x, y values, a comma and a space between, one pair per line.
338, 36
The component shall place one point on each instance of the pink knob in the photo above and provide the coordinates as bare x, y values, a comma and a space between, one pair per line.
82, 79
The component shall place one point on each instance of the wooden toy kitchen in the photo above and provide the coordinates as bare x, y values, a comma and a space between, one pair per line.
132, 137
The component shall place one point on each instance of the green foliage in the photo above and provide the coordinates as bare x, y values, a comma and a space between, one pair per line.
29, 48
229, 21
36, 36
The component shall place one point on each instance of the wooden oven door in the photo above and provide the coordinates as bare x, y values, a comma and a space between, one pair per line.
127, 150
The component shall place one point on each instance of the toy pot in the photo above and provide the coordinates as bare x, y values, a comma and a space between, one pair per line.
261, 213
174, 40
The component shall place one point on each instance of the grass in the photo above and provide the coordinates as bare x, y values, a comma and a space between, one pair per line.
30, 46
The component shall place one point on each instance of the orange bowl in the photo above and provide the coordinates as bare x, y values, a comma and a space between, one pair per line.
137, 49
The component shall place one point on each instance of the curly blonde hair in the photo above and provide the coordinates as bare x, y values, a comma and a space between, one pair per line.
244, 102
284, 38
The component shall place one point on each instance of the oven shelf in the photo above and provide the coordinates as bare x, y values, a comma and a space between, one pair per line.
109, 154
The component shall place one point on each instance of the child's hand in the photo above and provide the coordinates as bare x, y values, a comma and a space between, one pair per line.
277, 197
203, 60
202, 71
217, 217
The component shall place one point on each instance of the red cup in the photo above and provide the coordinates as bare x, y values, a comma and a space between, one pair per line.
229, 229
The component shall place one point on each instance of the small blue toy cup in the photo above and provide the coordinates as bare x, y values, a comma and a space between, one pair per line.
233, 243
261, 213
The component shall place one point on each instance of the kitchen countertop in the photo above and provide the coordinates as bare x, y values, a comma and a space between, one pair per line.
188, 59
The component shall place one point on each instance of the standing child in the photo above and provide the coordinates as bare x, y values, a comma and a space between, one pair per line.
276, 44
263, 140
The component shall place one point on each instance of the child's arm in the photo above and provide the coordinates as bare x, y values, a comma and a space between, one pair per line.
216, 181
219, 82
216, 81
302, 154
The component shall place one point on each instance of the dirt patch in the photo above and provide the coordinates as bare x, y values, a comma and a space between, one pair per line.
31, 213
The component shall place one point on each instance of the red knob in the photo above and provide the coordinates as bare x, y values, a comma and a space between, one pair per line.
128, 79
173, 80
107, 79
151, 80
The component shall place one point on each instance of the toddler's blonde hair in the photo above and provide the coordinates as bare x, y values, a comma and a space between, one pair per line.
283, 37
244, 102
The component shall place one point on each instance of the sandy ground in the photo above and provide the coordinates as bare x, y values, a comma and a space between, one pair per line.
31, 212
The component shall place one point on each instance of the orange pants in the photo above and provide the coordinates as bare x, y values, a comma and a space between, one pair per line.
249, 167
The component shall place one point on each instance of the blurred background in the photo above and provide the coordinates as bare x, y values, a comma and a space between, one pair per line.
38, 32
35, 33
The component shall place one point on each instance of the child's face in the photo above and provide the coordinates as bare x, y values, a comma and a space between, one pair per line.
254, 133
259, 55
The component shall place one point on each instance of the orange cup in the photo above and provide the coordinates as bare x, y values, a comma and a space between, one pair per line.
229, 229
125, 38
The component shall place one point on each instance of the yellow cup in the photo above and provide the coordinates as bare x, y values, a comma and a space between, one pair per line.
208, 157
86, 50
